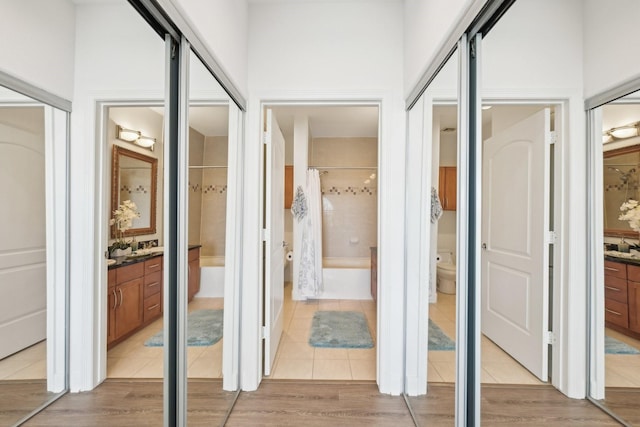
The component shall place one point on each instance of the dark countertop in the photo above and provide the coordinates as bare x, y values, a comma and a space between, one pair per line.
127, 260
632, 261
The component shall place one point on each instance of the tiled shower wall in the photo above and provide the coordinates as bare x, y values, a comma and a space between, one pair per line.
208, 196
349, 194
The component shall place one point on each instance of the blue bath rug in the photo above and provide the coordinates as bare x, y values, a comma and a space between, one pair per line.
204, 328
614, 346
438, 341
340, 329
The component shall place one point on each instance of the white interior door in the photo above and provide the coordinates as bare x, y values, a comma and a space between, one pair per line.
23, 283
274, 238
515, 255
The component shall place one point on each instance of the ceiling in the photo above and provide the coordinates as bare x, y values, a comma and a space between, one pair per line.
330, 121
209, 120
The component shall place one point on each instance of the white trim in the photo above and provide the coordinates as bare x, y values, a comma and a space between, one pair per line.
462, 220
56, 169
596, 389
418, 244
233, 252
390, 360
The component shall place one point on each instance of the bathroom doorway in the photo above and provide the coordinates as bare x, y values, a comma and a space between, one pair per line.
498, 365
136, 349
335, 146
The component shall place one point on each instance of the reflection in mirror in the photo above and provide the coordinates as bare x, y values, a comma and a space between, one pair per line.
438, 109
134, 177
620, 172
24, 344
621, 164
207, 219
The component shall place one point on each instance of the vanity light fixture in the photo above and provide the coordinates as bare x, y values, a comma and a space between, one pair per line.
128, 135
135, 137
146, 142
620, 132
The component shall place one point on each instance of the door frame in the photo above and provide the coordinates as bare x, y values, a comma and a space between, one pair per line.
231, 327
563, 320
390, 319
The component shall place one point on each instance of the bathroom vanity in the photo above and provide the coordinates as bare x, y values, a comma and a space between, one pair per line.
135, 293
622, 295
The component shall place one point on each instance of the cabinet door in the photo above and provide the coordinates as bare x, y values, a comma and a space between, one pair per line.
129, 310
451, 182
112, 302
288, 186
634, 305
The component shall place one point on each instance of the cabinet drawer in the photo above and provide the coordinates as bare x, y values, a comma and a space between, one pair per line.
194, 254
152, 307
633, 272
615, 288
617, 269
152, 283
153, 265
616, 313
130, 272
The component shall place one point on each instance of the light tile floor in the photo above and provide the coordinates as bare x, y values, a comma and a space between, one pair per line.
296, 359
622, 370
131, 359
28, 364
497, 366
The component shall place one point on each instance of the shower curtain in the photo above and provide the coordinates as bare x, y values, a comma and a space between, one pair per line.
310, 275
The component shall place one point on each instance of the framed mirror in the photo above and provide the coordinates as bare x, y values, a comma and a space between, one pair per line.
621, 173
134, 177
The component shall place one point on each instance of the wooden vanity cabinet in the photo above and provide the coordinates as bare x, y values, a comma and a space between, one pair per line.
134, 298
194, 272
622, 297
447, 187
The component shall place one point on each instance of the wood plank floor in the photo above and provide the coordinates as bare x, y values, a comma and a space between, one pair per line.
315, 403
625, 403
19, 398
510, 405
319, 403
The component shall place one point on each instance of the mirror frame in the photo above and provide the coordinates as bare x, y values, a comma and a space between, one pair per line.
115, 194
620, 232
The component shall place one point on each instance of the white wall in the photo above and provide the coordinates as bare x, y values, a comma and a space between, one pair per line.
348, 50
518, 54
38, 48
317, 45
222, 24
426, 26
610, 44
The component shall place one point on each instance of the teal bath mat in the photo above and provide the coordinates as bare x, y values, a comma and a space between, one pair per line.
340, 329
438, 341
614, 346
204, 327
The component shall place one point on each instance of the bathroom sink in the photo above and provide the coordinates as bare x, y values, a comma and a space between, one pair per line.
148, 251
627, 255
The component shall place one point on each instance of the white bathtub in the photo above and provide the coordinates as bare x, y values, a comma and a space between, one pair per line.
346, 278
211, 277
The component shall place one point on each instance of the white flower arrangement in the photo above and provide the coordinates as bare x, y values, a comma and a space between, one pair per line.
631, 213
123, 220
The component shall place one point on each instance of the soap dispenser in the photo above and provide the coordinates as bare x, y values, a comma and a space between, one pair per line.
623, 246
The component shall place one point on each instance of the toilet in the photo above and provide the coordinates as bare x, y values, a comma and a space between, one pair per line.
446, 273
